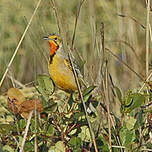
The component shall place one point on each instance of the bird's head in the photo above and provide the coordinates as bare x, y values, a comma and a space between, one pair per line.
54, 43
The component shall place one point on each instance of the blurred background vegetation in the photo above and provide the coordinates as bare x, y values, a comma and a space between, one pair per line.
123, 35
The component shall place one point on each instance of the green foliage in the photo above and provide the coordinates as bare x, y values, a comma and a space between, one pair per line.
45, 87
133, 101
139, 120
75, 144
87, 93
6, 129
119, 95
63, 129
126, 136
67, 129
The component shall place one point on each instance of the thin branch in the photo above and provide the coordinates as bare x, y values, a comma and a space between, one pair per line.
16, 81
147, 105
83, 102
150, 75
106, 94
146, 149
114, 146
16, 50
26, 131
105, 84
131, 47
36, 142
125, 64
122, 15
102, 41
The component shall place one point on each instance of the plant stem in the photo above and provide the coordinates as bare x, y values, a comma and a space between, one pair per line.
147, 38
26, 131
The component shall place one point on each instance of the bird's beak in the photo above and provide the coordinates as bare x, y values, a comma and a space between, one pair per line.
46, 38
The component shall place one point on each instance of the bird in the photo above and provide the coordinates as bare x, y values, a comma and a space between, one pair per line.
59, 65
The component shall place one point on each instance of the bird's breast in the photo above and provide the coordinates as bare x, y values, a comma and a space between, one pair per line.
62, 76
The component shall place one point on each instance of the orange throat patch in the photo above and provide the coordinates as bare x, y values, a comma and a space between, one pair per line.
53, 48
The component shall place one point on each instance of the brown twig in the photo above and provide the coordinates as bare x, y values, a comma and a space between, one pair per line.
105, 84
102, 41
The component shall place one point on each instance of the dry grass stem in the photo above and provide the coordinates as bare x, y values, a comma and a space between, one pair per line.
147, 38
150, 75
83, 102
132, 48
135, 20
121, 147
106, 94
16, 50
16, 81
105, 84
26, 131
36, 142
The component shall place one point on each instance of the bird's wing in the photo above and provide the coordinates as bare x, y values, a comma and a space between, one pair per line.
68, 64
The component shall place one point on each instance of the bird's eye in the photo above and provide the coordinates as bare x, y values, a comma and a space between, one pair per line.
55, 38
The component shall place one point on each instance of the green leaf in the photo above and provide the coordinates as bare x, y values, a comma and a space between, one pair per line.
149, 145
28, 146
6, 128
51, 108
32, 125
45, 86
50, 131
126, 136
44, 148
103, 144
88, 90
7, 148
22, 123
130, 122
85, 133
87, 93
136, 100
75, 143
59, 146
75, 96
77, 115
139, 119
119, 94
87, 97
